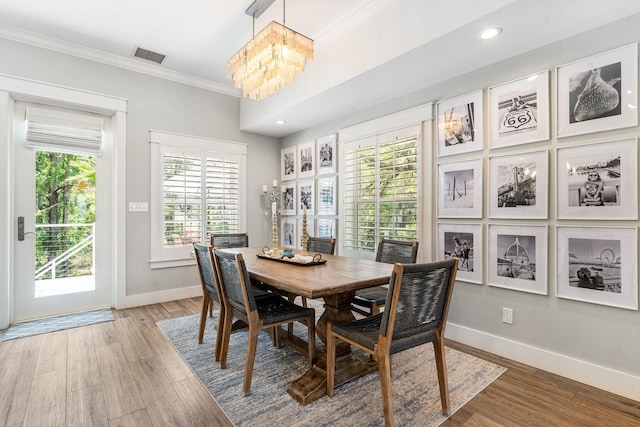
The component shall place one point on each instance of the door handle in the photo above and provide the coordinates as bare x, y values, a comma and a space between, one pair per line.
20, 228
21, 232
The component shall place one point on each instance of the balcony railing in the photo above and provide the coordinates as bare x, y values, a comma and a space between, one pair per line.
64, 250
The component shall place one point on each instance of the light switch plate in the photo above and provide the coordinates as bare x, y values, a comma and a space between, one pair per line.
138, 207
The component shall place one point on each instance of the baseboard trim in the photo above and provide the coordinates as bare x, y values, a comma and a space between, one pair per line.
161, 296
594, 375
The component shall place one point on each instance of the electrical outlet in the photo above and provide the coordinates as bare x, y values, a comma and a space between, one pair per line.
507, 315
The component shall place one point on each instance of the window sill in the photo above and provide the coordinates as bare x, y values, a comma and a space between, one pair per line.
156, 264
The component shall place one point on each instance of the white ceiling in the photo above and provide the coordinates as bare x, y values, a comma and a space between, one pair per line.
366, 51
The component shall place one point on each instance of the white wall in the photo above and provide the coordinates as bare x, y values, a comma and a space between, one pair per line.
592, 343
160, 104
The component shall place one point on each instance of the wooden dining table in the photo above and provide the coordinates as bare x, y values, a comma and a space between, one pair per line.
336, 282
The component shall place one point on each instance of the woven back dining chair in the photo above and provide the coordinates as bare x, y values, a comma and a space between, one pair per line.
317, 245
230, 240
267, 312
370, 301
321, 245
210, 292
418, 301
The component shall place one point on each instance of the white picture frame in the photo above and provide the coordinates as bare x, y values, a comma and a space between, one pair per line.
288, 162
288, 231
598, 93
460, 189
327, 196
289, 198
306, 160
598, 181
465, 242
460, 124
518, 185
598, 265
306, 196
519, 111
326, 227
326, 154
518, 257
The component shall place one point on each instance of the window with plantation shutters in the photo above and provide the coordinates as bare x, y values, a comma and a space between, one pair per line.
380, 190
200, 190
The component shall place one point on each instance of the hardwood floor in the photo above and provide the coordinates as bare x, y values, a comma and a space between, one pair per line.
125, 373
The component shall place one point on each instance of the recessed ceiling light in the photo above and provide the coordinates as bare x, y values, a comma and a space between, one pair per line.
280, 122
490, 33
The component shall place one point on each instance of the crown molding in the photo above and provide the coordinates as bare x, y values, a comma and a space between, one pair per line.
130, 64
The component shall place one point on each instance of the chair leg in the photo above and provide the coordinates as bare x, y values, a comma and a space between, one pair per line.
220, 333
203, 318
304, 301
441, 366
331, 360
210, 308
251, 356
226, 331
384, 368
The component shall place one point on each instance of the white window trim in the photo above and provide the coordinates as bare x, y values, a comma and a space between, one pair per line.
421, 115
187, 142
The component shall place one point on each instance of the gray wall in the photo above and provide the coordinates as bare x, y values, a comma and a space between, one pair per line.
602, 335
159, 104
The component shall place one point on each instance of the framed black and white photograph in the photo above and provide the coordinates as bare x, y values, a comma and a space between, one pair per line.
326, 228
288, 163
518, 257
289, 199
460, 189
460, 124
598, 181
326, 154
288, 228
519, 111
598, 93
306, 196
518, 185
306, 157
598, 265
463, 241
327, 196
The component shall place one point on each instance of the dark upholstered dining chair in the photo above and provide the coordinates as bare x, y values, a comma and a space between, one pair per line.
268, 312
230, 240
369, 301
210, 292
318, 245
417, 306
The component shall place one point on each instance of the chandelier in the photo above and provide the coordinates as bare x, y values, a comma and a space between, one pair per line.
271, 59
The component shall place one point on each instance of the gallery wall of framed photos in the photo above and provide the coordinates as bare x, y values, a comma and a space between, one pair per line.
533, 192
309, 179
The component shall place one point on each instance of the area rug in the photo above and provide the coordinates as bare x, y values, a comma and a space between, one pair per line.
52, 324
416, 396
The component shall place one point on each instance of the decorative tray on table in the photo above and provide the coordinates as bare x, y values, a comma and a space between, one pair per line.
297, 259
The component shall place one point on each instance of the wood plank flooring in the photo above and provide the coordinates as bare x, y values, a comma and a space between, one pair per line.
125, 373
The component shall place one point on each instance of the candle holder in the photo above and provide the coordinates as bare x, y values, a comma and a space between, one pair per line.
305, 237
271, 198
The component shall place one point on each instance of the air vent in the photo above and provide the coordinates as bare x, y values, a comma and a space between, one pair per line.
149, 55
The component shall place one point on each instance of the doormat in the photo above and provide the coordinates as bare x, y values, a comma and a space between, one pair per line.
52, 324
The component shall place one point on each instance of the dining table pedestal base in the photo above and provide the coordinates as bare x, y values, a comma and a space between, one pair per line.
312, 385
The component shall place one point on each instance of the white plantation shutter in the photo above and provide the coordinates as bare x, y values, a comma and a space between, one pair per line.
201, 189
223, 194
64, 131
381, 189
182, 196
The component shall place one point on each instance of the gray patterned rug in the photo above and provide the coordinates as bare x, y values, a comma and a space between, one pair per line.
416, 396
52, 324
